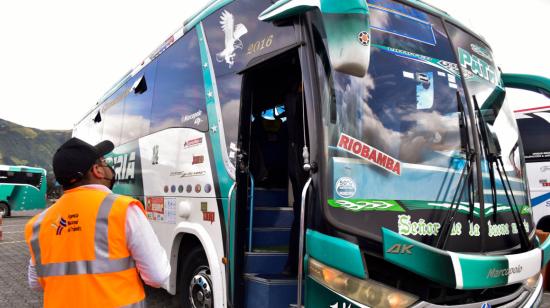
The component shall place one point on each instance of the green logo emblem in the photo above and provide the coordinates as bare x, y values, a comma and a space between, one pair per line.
362, 205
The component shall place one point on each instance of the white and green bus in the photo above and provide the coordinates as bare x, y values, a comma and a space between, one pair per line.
385, 121
22, 189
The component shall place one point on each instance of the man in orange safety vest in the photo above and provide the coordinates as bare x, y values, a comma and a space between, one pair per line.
90, 248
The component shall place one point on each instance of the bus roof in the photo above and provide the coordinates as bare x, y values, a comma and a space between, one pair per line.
214, 5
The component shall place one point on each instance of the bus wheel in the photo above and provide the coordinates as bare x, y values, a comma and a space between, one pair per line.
4, 209
196, 283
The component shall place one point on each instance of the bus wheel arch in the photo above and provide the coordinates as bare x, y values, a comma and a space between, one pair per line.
5, 210
193, 277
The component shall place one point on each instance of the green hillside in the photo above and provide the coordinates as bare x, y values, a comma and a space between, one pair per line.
27, 146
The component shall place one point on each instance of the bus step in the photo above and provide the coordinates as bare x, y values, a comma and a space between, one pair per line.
263, 237
270, 197
273, 217
269, 291
265, 262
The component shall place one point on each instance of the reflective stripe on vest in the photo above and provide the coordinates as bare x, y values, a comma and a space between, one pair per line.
102, 264
140, 304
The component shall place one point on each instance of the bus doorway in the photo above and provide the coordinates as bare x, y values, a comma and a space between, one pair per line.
270, 179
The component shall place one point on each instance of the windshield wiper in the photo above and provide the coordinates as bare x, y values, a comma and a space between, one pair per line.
493, 155
465, 178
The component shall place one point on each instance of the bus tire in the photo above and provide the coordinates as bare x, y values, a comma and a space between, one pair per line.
4, 209
195, 288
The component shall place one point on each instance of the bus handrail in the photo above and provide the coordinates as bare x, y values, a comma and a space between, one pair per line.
251, 208
301, 243
228, 236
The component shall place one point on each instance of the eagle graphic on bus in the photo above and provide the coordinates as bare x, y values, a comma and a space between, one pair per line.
232, 38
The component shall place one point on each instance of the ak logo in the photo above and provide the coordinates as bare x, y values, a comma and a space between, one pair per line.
400, 249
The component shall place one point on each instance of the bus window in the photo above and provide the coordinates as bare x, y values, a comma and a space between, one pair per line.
137, 106
112, 114
229, 91
179, 99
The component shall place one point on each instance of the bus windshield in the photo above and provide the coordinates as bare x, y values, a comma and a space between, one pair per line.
395, 154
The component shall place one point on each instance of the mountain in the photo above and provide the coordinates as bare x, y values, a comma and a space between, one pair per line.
20, 145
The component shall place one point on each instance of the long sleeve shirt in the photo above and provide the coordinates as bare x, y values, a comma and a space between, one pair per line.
149, 256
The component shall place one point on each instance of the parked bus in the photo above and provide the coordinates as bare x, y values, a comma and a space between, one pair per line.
534, 127
21, 189
385, 121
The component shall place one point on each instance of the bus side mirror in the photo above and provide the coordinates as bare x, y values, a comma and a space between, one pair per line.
527, 82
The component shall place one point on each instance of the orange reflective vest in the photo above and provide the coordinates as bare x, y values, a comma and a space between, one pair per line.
79, 249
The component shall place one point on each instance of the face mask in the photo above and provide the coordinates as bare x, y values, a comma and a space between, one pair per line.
112, 179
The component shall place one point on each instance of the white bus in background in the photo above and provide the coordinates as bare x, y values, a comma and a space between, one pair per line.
534, 127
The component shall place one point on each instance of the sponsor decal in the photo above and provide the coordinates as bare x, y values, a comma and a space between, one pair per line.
232, 34
400, 249
155, 205
544, 183
189, 188
180, 188
206, 215
192, 142
368, 153
364, 38
345, 187
185, 174
170, 210
155, 158
207, 188
477, 66
198, 188
198, 159
191, 117
505, 272
166, 188
363, 205
173, 188
155, 208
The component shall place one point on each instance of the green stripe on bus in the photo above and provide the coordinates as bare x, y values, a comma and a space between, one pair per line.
424, 260
224, 180
335, 252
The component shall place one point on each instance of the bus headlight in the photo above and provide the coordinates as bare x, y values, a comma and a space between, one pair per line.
531, 282
367, 292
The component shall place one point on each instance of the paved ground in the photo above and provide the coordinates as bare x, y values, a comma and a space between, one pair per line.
14, 256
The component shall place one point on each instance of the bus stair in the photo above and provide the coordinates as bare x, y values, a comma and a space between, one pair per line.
265, 285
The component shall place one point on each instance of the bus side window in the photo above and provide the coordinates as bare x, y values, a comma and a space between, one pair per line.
229, 90
112, 113
137, 106
179, 98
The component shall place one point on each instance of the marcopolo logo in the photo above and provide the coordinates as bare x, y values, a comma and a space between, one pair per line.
496, 273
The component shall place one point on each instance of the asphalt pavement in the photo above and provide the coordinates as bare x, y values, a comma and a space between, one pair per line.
14, 258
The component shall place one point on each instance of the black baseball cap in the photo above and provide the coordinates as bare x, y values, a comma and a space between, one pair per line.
75, 157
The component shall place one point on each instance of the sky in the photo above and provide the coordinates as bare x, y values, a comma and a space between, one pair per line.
58, 57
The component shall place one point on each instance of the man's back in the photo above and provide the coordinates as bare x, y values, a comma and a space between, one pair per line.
80, 251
